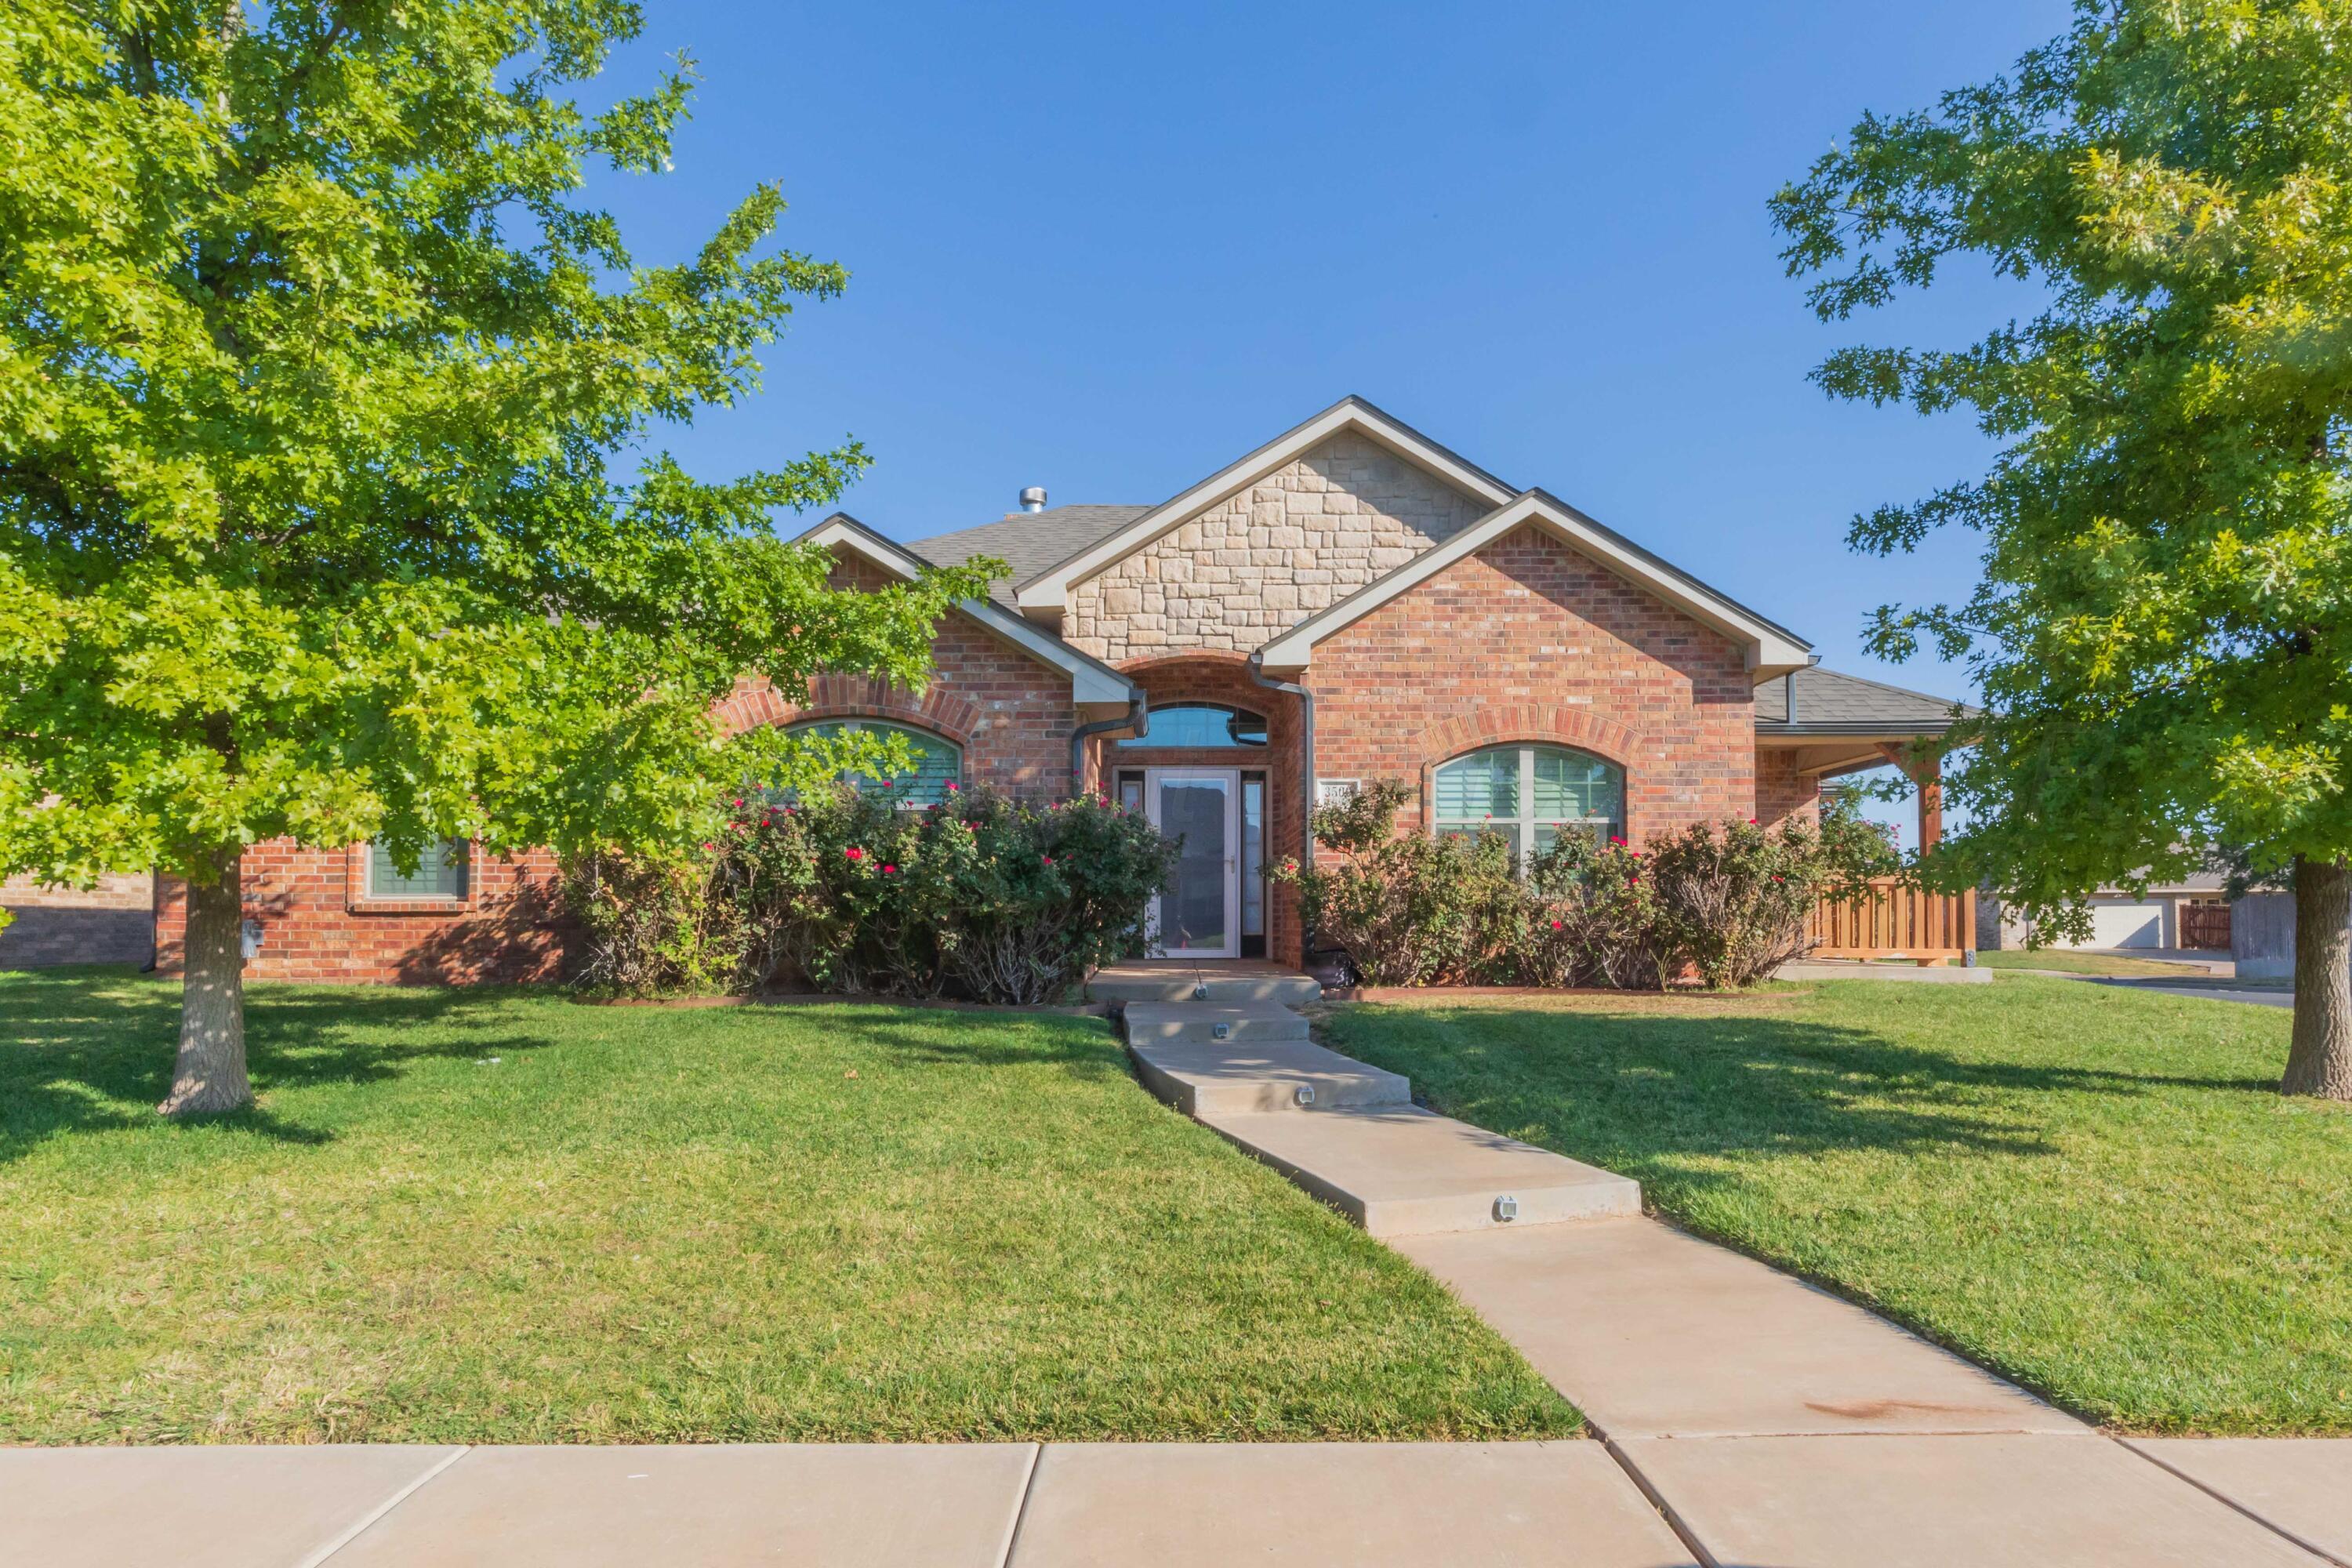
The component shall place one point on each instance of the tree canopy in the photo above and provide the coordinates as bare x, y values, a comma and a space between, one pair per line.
2160, 630
328, 506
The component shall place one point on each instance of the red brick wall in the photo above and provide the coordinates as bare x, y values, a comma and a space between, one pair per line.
317, 924
1011, 713
1529, 640
1781, 793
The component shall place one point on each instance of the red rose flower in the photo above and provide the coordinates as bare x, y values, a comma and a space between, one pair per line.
855, 853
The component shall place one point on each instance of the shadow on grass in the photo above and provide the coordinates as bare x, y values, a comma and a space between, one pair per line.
1630, 1088
1082, 1046
89, 1049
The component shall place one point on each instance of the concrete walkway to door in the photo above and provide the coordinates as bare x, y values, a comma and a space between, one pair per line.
1770, 1421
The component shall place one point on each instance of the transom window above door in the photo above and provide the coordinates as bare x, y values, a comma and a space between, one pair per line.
938, 762
1529, 794
1201, 724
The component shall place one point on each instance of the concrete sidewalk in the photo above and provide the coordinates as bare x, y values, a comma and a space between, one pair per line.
1011, 1505
1887, 1500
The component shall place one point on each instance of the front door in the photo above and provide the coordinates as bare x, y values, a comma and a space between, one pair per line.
1199, 914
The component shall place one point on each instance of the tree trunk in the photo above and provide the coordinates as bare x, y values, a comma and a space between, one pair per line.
2320, 1059
210, 1076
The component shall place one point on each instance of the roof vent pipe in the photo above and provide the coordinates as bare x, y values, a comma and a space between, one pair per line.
1033, 499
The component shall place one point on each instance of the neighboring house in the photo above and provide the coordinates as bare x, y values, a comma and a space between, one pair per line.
1350, 601
2191, 912
113, 922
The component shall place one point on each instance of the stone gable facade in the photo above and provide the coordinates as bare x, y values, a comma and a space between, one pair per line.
1298, 540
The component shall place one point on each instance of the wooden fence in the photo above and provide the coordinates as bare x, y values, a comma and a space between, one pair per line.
2205, 923
1895, 920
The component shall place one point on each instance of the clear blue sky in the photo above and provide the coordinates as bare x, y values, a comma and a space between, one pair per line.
1106, 250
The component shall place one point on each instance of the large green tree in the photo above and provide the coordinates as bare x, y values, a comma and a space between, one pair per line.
2161, 629
315, 366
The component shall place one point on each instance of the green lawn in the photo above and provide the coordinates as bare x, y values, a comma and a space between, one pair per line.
2097, 1191
505, 1216
2070, 961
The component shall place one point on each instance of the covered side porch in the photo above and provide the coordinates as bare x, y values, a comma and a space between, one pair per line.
1816, 726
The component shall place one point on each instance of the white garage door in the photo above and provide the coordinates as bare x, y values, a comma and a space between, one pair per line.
2124, 923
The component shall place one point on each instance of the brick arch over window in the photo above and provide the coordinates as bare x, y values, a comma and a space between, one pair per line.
1526, 724
1205, 657
755, 701
1532, 723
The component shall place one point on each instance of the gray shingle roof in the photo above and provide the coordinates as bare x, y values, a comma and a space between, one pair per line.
1029, 541
1829, 703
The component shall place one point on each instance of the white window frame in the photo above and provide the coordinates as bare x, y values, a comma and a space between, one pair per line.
465, 876
1525, 821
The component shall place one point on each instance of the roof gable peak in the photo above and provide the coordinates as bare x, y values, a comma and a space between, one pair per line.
1045, 594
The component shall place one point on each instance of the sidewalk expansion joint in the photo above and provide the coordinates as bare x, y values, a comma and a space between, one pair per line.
1020, 1510
2176, 1473
376, 1516
1675, 1521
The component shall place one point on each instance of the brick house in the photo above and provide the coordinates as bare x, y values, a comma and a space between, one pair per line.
1350, 602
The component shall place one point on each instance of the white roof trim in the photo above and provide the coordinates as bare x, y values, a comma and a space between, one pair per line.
1046, 592
1771, 650
1090, 680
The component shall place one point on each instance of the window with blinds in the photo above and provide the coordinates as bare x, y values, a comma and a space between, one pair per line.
938, 762
1531, 794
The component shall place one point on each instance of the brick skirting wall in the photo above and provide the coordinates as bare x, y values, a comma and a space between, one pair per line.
318, 924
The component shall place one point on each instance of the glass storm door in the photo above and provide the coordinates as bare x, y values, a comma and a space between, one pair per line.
1199, 914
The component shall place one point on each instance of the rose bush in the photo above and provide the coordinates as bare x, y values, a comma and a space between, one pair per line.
1727, 904
1410, 909
979, 896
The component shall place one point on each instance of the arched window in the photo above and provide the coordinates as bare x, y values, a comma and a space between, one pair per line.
1201, 724
1532, 793
938, 762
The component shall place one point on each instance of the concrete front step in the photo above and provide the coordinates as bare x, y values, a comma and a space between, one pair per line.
1221, 985
1206, 1022
1225, 1078
1402, 1171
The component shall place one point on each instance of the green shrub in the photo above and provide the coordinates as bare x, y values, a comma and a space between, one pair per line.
650, 926
980, 896
1591, 918
1410, 909
1728, 903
